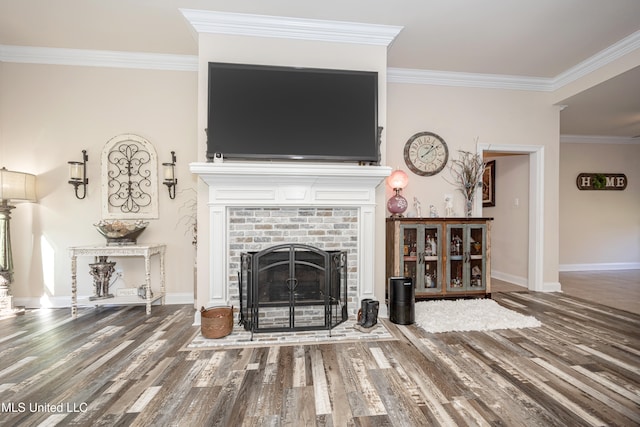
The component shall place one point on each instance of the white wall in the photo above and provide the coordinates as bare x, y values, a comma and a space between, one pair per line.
48, 114
463, 116
509, 230
599, 229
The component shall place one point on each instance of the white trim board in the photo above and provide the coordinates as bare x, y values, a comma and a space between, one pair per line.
601, 266
65, 301
513, 279
170, 62
243, 24
501, 81
535, 275
98, 58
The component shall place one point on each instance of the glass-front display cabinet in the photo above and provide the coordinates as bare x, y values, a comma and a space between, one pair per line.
443, 256
419, 259
466, 257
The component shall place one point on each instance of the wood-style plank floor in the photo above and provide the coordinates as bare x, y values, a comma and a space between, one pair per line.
117, 366
619, 289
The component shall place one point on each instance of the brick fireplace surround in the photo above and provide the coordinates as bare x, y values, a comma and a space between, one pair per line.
255, 205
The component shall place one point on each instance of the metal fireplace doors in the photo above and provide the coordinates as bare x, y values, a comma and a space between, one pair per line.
293, 287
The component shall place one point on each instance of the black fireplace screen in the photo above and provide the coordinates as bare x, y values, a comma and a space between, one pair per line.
293, 287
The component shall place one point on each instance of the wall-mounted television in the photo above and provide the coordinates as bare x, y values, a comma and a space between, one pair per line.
259, 112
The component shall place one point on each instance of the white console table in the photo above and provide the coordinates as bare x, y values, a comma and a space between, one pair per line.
146, 251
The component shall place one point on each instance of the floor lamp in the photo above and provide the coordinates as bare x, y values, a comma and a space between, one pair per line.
14, 187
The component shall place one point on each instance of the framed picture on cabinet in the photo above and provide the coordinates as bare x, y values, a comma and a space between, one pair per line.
489, 184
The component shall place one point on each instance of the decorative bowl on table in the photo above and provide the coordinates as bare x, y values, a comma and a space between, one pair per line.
119, 232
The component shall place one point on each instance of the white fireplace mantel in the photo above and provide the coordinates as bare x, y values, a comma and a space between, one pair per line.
290, 184
280, 184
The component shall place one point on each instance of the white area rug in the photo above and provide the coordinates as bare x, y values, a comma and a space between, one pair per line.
469, 315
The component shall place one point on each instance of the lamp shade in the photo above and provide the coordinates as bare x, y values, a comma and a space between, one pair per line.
17, 186
398, 179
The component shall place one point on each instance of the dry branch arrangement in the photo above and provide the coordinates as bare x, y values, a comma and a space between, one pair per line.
467, 173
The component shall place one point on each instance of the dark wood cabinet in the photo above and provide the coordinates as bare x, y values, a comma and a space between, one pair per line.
445, 257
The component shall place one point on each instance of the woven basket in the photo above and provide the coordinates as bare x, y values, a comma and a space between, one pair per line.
216, 322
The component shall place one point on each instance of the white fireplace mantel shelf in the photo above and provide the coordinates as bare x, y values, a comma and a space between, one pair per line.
280, 184
289, 169
290, 183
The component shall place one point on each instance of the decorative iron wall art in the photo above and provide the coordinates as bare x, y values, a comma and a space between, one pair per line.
129, 178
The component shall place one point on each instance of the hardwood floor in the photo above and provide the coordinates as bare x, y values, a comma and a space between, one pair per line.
117, 366
619, 289
616, 288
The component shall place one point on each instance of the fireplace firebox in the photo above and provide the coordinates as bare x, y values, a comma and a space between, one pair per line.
293, 287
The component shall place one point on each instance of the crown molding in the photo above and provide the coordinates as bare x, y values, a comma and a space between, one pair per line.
487, 81
98, 58
499, 81
597, 139
599, 60
169, 62
204, 21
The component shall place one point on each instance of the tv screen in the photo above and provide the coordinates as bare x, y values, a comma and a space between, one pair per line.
271, 112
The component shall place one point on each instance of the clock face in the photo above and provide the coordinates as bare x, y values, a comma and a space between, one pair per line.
426, 153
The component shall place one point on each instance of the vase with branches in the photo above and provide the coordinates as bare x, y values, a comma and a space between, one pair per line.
467, 171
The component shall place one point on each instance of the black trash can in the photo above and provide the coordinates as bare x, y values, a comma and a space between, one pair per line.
402, 307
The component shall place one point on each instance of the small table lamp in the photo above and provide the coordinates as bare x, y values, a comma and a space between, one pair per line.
17, 187
397, 204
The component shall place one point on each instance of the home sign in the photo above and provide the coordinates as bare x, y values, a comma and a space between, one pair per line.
601, 181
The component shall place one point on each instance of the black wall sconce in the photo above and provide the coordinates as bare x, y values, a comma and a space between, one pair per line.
78, 175
170, 179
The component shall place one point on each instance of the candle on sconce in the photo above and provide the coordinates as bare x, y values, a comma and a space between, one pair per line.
78, 175
168, 172
76, 172
170, 176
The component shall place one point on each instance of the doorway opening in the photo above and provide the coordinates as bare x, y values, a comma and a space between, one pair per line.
535, 154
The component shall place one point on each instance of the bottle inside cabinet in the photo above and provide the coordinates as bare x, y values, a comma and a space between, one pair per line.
477, 242
410, 250
477, 257
410, 242
456, 248
430, 258
455, 252
431, 245
456, 274
476, 274
430, 275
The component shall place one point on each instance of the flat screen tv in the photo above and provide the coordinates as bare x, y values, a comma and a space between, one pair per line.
259, 112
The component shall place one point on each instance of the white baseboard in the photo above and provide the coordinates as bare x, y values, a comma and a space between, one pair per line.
600, 266
42, 302
551, 287
196, 318
524, 282
65, 301
179, 298
511, 278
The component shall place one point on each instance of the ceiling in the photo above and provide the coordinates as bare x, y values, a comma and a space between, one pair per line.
533, 39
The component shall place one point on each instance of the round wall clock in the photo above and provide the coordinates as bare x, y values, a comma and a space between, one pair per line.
426, 153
